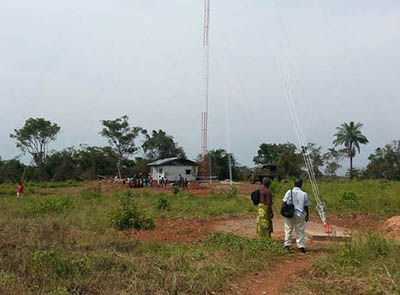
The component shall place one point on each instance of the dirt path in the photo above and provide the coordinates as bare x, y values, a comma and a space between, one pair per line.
270, 281
273, 280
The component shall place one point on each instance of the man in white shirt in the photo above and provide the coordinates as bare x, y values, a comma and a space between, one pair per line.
301, 214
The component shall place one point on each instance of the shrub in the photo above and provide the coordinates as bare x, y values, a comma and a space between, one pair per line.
126, 215
176, 189
276, 187
163, 203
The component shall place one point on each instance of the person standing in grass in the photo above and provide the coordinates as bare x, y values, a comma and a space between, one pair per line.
20, 189
301, 215
264, 211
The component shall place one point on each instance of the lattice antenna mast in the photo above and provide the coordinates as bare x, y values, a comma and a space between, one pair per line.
206, 66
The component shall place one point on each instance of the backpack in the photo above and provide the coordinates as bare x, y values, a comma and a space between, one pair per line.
287, 209
255, 197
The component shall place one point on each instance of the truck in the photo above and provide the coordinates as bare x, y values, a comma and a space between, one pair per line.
258, 173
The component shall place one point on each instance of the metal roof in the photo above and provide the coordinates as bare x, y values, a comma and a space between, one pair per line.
176, 161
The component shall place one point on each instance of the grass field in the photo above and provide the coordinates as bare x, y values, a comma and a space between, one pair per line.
56, 243
368, 265
63, 244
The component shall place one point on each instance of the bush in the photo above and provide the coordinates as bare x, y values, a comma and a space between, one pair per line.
127, 216
163, 203
176, 189
276, 187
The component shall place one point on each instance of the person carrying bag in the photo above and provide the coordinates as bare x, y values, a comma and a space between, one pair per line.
287, 209
296, 214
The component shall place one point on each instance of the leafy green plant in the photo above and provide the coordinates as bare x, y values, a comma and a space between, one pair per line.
276, 187
163, 203
126, 215
175, 189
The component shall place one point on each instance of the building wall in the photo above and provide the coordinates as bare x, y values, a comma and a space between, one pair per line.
172, 172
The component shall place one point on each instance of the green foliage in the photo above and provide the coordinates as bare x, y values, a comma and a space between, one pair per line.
50, 263
220, 161
34, 138
346, 196
121, 137
317, 159
127, 215
8, 189
93, 161
276, 187
163, 203
62, 165
78, 252
384, 184
351, 137
175, 189
11, 170
127, 194
68, 183
285, 156
368, 265
223, 240
332, 159
385, 163
47, 205
161, 145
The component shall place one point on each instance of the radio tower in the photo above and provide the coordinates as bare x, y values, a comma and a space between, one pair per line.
206, 62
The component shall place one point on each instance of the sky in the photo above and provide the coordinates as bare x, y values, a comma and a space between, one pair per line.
78, 62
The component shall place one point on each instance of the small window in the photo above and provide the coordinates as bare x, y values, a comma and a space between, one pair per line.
188, 171
160, 170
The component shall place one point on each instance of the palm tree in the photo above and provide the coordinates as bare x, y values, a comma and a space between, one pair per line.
351, 137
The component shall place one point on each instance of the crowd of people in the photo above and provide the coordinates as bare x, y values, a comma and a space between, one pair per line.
143, 181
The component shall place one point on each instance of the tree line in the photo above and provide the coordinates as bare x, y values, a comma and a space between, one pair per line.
90, 162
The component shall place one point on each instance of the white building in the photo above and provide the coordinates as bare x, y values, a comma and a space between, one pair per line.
171, 168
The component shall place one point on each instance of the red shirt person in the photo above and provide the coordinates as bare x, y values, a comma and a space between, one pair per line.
20, 189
